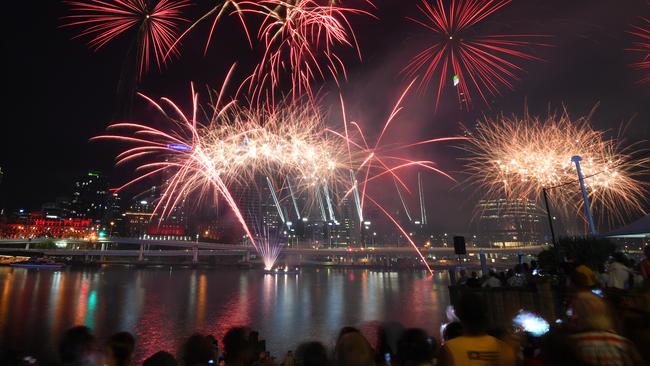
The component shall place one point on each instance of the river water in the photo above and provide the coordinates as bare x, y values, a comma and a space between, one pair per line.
161, 306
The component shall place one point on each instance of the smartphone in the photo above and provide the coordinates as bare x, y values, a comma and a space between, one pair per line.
531, 323
387, 358
598, 292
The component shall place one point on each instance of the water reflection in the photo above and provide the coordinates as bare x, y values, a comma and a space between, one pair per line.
161, 307
7, 284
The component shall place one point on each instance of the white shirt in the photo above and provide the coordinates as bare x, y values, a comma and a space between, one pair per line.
492, 282
619, 274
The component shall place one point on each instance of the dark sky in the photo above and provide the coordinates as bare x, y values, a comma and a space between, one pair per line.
58, 93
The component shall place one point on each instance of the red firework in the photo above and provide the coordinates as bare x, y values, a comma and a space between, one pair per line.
641, 46
154, 20
299, 38
481, 64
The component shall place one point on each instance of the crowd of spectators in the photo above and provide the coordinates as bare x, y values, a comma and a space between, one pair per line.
619, 272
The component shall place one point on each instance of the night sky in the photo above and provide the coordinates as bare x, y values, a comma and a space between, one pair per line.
58, 93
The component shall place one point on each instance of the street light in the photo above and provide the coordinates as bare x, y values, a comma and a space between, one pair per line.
576, 159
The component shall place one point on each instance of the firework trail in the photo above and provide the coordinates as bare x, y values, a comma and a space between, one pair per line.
474, 64
299, 38
235, 145
641, 46
155, 23
269, 246
518, 157
220, 8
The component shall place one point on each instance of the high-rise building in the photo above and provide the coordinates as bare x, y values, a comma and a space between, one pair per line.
510, 222
141, 219
90, 197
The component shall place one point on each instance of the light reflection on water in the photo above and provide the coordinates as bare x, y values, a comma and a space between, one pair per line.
162, 306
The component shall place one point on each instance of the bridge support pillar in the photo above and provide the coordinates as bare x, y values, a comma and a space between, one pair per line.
27, 246
141, 254
247, 256
195, 254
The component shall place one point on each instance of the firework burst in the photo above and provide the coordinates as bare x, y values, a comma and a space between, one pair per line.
518, 157
474, 64
154, 21
212, 152
641, 47
300, 38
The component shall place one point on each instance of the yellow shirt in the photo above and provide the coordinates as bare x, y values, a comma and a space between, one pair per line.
479, 351
588, 273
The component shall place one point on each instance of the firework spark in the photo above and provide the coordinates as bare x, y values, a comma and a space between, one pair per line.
299, 38
235, 145
517, 157
154, 21
219, 9
474, 64
641, 46
270, 247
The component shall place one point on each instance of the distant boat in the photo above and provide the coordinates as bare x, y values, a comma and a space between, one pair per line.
38, 264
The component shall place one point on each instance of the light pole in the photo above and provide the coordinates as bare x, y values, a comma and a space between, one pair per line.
550, 223
576, 159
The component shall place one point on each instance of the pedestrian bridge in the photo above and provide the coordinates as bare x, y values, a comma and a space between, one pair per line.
141, 248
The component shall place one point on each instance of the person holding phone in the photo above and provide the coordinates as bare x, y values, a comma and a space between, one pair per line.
475, 347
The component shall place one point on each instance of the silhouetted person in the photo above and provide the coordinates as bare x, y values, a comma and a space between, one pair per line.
161, 358
352, 349
557, 350
451, 331
215, 346
345, 330
475, 346
415, 348
77, 347
595, 340
311, 354
585, 275
492, 281
387, 336
120, 348
255, 343
474, 281
644, 266
236, 347
462, 280
519, 278
618, 274
198, 350
288, 359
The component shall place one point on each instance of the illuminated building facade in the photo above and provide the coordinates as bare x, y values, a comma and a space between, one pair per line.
510, 223
140, 219
35, 225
